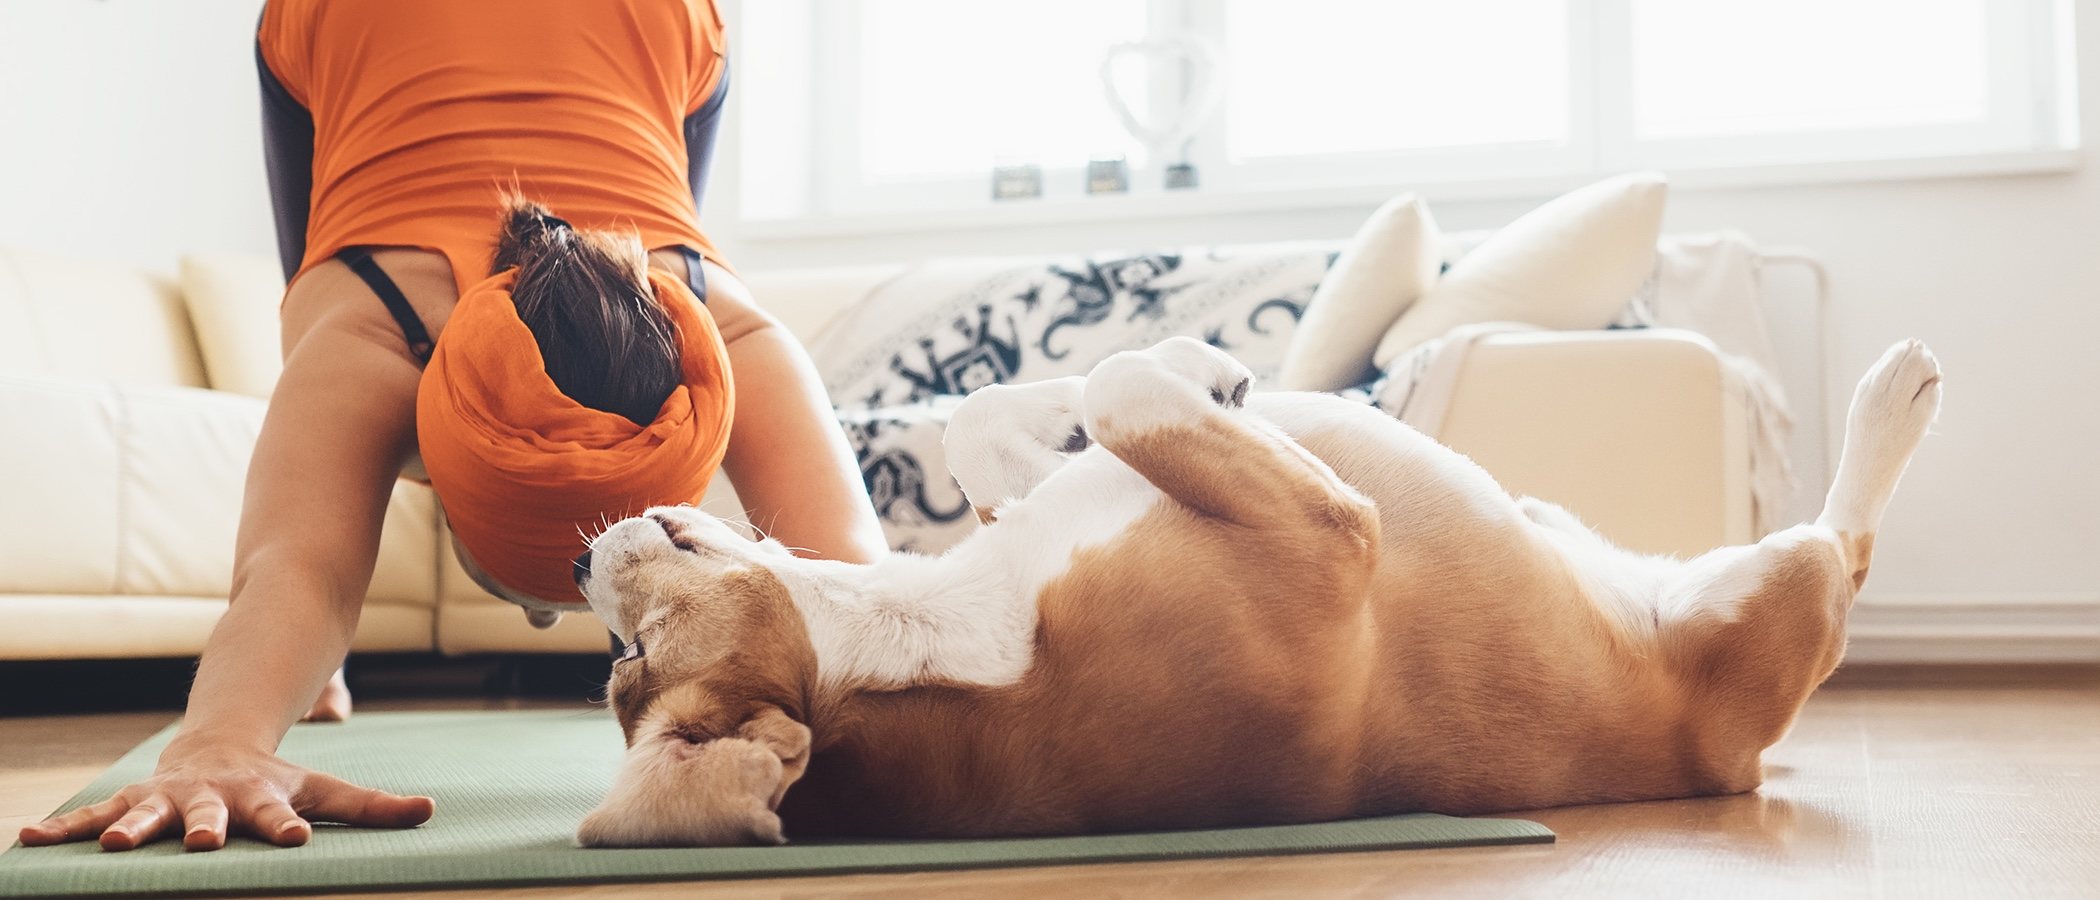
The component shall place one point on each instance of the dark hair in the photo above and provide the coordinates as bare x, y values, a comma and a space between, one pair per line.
586, 297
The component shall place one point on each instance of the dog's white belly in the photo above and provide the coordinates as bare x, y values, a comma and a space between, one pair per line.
973, 609
968, 617
1091, 502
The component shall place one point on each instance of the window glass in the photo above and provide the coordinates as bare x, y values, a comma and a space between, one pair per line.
1705, 68
946, 87
1308, 77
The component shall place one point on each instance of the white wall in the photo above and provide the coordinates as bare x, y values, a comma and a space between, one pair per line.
131, 135
129, 129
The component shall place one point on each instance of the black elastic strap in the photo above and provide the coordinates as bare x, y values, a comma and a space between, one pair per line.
361, 262
695, 278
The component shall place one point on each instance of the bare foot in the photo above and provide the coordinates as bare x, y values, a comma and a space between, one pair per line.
334, 703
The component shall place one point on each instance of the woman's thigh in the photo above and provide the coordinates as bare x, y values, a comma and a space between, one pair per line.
332, 294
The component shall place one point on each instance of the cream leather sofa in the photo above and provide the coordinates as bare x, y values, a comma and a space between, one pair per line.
131, 403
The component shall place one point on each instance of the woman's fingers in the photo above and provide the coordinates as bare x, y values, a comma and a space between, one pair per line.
80, 824
330, 799
140, 824
204, 824
200, 812
274, 820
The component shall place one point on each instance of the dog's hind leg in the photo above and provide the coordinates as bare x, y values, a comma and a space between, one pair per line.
1891, 409
1754, 629
1174, 413
1004, 439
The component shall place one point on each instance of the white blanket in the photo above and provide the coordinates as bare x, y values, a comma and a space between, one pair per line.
897, 361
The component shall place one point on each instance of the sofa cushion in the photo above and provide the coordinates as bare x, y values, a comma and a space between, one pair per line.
233, 300
1570, 264
85, 319
132, 490
1392, 261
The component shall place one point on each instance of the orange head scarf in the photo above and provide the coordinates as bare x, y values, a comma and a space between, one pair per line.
524, 472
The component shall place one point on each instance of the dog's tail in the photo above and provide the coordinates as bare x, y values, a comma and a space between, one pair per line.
1891, 409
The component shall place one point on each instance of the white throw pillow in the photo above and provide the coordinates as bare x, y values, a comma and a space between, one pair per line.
233, 301
1570, 264
1392, 260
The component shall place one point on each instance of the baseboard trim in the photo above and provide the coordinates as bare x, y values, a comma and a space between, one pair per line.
1969, 628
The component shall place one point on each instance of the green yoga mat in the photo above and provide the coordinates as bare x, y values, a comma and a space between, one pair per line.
511, 786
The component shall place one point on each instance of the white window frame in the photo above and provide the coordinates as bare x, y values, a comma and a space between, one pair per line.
2031, 128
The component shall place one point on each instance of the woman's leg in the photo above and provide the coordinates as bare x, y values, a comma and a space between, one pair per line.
787, 457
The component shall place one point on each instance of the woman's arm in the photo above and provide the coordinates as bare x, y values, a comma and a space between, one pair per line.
338, 427
787, 456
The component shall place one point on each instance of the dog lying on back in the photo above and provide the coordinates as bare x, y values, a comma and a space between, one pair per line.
1192, 607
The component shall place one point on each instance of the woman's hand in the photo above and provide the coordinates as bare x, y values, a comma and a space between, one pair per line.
340, 423
207, 790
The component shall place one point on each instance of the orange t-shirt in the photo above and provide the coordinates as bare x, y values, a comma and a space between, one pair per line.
425, 109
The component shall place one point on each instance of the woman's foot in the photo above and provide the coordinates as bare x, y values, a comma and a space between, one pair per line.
334, 703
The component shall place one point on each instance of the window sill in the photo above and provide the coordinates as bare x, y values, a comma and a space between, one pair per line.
1157, 204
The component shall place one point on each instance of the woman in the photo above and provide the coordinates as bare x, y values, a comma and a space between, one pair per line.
402, 122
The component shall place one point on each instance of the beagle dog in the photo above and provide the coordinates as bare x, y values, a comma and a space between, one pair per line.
1194, 607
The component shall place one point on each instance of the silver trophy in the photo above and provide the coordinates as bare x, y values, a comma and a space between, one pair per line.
1176, 115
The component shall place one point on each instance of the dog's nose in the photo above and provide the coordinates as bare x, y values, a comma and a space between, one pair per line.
581, 569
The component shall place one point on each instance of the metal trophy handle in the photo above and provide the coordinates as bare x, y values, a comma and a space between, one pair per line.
1167, 137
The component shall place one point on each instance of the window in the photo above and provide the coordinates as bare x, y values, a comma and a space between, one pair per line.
876, 107
1334, 77
985, 84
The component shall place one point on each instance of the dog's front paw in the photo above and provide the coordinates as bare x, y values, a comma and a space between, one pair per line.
1004, 439
1206, 366
1044, 413
1163, 384
1898, 399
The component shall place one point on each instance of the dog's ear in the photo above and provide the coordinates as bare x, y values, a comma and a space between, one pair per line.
674, 792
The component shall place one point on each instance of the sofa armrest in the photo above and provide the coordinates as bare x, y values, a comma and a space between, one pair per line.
1642, 434
137, 490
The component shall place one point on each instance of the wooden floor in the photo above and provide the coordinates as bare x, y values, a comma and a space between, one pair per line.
1895, 783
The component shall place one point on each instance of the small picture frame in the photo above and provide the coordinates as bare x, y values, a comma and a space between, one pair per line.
1181, 176
1017, 181
1107, 175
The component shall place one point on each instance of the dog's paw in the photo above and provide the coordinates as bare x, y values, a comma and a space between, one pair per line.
1206, 366
1898, 399
1004, 439
1045, 413
1161, 385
